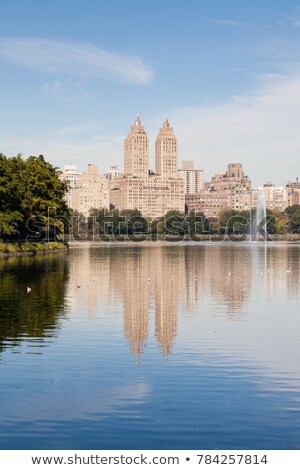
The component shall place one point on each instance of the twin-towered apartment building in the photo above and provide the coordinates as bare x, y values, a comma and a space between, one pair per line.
154, 193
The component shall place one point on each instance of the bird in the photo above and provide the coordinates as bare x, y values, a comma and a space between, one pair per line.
229, 274
148, 279
28, 290
77, 286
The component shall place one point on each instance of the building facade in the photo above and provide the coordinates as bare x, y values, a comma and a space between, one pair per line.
70, 175
87, 190
230, 190
193, 179
136, 151
276, 197
152, 194
166, 153
293, 192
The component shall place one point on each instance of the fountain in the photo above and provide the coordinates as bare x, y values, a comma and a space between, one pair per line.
259, 222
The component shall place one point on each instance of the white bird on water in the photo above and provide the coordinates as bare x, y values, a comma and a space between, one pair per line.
28, 290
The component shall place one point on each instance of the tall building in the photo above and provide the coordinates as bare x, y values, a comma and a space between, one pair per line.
276, 196
90, 191
136, 151
70, 175
293, 192
193, 179
166, 154
153, 195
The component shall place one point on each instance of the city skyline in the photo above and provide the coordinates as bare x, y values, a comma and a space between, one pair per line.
227, 76
168, 188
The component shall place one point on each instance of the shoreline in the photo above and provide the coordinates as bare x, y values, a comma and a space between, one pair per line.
32, 253
10, 249
168, 239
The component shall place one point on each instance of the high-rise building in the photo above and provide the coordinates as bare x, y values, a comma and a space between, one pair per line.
136, 150
293, 192
70, 175
90, 191
153, 195
166, 154
193, 179
276, 197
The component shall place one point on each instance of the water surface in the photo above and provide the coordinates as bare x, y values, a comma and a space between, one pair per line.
161, 347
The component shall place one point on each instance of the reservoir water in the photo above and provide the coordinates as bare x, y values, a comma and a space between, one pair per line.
179, 346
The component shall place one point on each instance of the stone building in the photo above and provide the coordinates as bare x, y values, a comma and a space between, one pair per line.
276, 197
136, 151
70, 175
88, 190
231, 190
152, 194
166, 153
293, 192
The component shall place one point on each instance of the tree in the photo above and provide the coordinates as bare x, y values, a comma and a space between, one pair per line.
293, 221
234, 222
31, 197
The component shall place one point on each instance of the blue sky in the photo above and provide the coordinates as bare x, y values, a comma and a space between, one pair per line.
227, 73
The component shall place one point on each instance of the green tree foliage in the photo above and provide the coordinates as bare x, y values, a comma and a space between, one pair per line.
234, 222
31, 196
197, 223
293, 222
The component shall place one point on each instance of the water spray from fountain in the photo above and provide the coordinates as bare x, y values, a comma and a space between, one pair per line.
259, 223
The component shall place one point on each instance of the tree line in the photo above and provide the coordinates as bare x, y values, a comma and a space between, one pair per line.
32, 206
105, 223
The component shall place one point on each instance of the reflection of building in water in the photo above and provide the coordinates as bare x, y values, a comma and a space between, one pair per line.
129, 281
192, 292
283, 270
167, 275
89, 270
151, 284
136, 301
150, 280
230, 271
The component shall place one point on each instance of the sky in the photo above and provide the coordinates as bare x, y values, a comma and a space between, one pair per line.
74, 74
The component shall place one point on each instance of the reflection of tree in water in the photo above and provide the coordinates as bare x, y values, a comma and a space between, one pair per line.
36, 313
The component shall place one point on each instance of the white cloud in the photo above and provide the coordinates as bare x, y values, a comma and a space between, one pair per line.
71, 145
260, 130
268, 76
79, 59
229, 23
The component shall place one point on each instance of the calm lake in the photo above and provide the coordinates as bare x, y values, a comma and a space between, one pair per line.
179, 346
